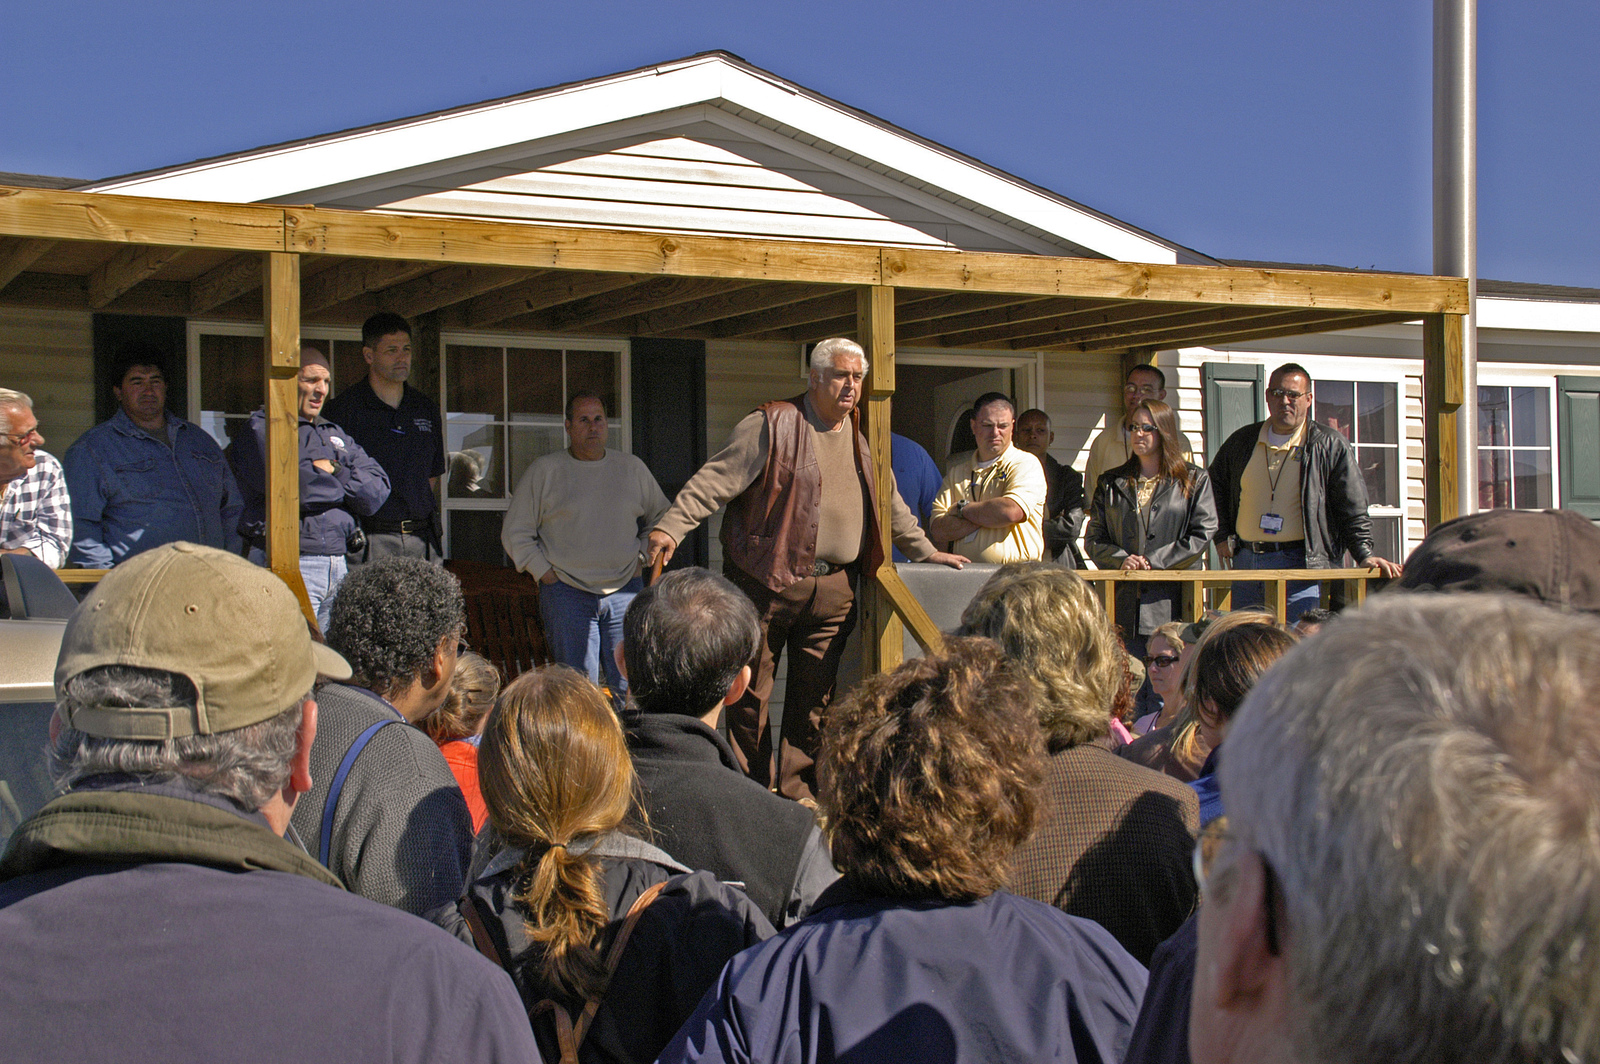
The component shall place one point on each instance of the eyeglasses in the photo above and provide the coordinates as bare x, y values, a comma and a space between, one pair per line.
1284, 393
1206, 847
20, 438
1143, 429
1140, 389
1162, 661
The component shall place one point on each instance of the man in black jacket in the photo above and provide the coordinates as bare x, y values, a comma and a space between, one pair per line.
1290, 495
687, 643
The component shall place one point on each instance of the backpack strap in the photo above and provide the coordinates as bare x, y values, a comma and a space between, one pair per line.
325, 839
569, 1035
480, 932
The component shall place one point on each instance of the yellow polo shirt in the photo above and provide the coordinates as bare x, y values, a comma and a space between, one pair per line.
1270, 484
1015, 474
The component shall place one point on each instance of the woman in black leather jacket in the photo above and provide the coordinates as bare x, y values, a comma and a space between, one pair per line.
1155, 511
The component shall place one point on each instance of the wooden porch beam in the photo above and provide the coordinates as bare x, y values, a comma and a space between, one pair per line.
1044, 318
281, 357
1155, 320
728, 304
546, 289
1443, 392
19, 255
125, 269
882, 634
1108, 279
225, 283
104, 218
357, 277
441, 288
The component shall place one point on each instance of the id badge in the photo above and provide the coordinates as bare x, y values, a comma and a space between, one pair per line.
1271, 524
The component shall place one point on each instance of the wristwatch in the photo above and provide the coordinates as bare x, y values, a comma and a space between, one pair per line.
962, 505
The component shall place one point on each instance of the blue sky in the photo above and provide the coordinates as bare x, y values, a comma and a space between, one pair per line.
1294, 131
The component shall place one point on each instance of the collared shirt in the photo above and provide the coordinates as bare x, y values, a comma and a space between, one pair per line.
1013, 474
1271, 485
407, 441
132, 491
36, 512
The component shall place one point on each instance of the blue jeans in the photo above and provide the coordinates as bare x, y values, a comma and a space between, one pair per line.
322, 574
583, 629
1303, 594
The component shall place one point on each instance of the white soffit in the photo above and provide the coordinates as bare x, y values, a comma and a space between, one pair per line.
1539, 314
712, 87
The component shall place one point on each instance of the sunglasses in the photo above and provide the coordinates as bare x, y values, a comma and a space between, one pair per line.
1162, 661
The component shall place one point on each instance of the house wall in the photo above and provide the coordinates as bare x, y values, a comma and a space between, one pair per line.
49, 354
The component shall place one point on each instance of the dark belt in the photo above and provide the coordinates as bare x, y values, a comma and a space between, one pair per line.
822, 568
1270, 548
418, 527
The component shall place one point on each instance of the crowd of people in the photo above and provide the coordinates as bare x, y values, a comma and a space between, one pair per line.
1363, 836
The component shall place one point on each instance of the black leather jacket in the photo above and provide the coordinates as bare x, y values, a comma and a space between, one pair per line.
1178, 531
1333, 497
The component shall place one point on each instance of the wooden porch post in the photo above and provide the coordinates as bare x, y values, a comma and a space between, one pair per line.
881, 631
1443, 391
281, 306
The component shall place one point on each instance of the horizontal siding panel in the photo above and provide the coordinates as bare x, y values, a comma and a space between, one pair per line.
561, 211
676, 194
49, 356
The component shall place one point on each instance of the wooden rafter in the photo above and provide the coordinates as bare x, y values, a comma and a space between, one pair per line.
913, 307
442, 288
727, 304
126, 268
544, 290
18, 255
655, 294
225, 283
1294, 323
357, 277
766, 323
1144, 320
1004, 320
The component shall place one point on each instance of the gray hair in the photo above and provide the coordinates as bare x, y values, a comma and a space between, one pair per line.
247, 766
10, 399
826, 354
1424, 778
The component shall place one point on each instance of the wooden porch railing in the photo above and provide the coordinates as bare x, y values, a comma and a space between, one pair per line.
1202, 589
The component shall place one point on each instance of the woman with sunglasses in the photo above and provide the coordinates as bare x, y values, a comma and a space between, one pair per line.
1154, 511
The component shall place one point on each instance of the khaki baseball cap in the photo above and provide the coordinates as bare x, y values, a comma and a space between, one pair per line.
233, 628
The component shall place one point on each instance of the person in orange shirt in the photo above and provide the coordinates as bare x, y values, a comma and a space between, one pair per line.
458, 722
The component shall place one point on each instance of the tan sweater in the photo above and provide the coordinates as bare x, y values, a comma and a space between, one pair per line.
734, 468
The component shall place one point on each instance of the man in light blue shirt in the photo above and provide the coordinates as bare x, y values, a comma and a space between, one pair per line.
147, 477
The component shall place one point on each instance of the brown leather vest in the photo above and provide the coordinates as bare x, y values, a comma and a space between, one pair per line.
770, 530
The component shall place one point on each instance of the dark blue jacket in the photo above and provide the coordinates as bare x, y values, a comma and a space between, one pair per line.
329, 502
875, 979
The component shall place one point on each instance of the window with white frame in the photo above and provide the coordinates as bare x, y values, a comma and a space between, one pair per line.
505, 401
227, 374
1516, 460
1367, 413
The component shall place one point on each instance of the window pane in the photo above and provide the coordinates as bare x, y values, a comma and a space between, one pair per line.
1494, 416
476, 456
594, 371
1494, 479
1530, 417
349, 366
231, 380
1380, 469
474, 380
536, 383
1386, 538
531, 441
1377, 413
475, 536
1531, 488
1336, 406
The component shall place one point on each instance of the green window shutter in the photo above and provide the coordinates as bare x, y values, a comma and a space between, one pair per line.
1578, 421
1234, 396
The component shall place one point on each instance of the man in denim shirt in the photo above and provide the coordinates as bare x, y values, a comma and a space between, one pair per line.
147, 477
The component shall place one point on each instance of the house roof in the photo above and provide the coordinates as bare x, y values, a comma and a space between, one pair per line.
705, 144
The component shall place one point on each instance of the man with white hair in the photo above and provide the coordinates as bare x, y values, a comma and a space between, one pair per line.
35, 507
800, 532
156, 910
1410, 872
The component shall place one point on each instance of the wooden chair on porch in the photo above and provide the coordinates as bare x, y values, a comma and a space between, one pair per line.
502, 615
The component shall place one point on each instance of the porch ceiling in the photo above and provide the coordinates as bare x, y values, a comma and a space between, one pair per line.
85, 251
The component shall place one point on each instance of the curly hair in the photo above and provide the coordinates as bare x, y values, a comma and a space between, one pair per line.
389, 617
473, 690
1050, 624
928, 775
555, 772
